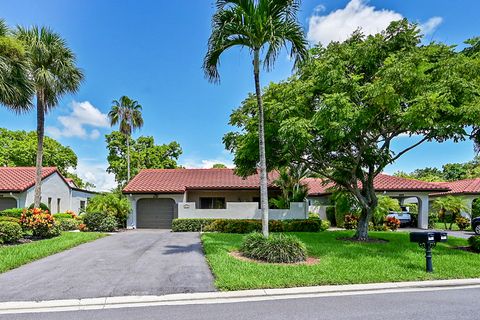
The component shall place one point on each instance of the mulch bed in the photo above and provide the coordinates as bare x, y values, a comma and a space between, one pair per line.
238, 255
369, 240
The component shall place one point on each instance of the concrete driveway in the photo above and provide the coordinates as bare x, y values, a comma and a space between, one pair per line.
146, 262
458, 234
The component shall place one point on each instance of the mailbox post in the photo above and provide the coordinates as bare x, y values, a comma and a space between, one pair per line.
428, 241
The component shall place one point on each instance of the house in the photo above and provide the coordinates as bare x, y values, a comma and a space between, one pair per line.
160, 195
17, 186
469, 189
405, 190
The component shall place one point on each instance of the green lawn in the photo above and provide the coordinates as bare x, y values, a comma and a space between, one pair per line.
441, 226
14, 256
341, 262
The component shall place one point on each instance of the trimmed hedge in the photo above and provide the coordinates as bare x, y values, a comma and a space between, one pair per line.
277, 248
62, 216
9, 219
14, 212
246, 225
10, 232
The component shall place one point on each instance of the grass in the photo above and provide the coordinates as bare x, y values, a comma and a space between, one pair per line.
14, 256
341, 262
441, 226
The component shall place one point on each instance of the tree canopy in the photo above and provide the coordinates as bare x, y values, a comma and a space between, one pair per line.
449, 172
341, 111
19, 149
145, 154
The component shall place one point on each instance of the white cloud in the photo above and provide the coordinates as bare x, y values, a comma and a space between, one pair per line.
431, 25
82, 116
338, 25
95, 173
205, 163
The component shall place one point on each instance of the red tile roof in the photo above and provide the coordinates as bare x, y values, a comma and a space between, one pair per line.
382, 182
468, 186
179, 180
18, 179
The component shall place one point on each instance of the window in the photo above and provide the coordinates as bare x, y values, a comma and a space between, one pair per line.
58, 205
212, 203
50, 204
82, 206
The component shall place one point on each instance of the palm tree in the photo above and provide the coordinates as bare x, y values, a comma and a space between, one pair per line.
16, 89
127, 113
262, 26
54, 73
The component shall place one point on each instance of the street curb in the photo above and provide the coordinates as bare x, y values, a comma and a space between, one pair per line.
232, 296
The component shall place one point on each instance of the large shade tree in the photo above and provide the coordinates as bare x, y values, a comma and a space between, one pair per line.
264, 27
53, 70
127, 113
16, 88
343, 110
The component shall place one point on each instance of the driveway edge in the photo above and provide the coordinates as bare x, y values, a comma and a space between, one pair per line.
232, 296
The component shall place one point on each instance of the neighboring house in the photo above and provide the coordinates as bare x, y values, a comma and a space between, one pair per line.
160, 195
469, 189
405, 190
17, 186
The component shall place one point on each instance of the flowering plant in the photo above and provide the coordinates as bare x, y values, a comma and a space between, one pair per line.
350, 222
40, 222
73, 214
392, 223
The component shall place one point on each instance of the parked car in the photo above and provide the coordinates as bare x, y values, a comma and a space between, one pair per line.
476, 225
403, 215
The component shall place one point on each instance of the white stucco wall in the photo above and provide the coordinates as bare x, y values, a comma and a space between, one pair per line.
53, 187
242, 210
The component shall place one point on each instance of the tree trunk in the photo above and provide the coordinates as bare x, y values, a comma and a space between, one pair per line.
362, 228
261, 145
128, 158
40, 135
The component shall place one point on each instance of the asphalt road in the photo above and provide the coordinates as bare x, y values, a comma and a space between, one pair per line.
147, 262
438, 305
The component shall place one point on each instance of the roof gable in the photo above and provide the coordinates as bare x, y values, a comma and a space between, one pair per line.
18, 179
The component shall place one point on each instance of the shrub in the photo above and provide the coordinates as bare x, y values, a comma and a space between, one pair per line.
43, 206
68, 224
10, 219
330, 212
277, 248
82, 227
10, 232
40, 222
462, 223
66, 215
14, 212
350, 222
324, 225
190, 225
474, 242
234, 226
303, 225
392, 223
313, 216
113, 204
99, 221
432, 220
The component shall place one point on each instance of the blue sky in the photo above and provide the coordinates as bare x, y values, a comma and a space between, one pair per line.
152, 51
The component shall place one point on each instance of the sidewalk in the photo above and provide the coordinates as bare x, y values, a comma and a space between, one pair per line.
233, 296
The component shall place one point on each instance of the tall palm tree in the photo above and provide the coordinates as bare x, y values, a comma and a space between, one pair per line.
16, 88
52, 67
262, 26
128, 114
